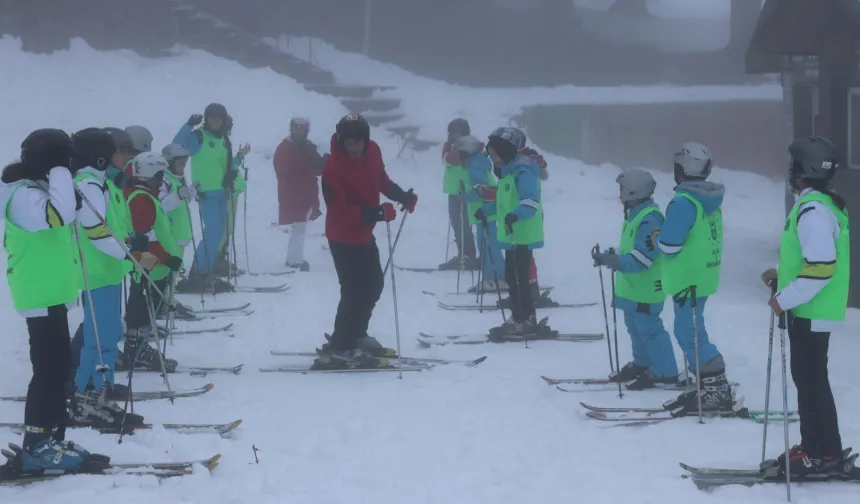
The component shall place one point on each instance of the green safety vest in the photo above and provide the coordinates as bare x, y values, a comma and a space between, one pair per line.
209, 166
526, 232
645, 286
103, 269
42, 267
163, 234
700, 260
180, 217
831, 302
454, 179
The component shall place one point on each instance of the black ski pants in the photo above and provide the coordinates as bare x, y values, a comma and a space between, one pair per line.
517, 263
136, 309
458, 214
49, 355
361, 284
819, 426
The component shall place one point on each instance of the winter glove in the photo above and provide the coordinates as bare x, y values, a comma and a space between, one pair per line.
195, 119
480, 215
244, 150
229, 178
147, 260
138, 242
384, 212
187, 193
509, 222
174, 263
487, 192
608, 259
409, 199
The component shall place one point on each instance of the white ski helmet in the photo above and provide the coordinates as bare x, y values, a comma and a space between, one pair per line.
173, 151
635, 185
141, 138
693, 160
147, 165
468, 144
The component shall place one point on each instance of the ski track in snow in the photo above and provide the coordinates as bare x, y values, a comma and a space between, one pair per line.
494, 433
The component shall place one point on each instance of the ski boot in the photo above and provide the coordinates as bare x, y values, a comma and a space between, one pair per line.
197, 283
510, 328
138, 351
489, 287
539, 299
180, 312
354, 358
367, 343
302, 266
454, 264
645, 381
629, 372
42, 453
224, 268
805, 464
93, 409
716, 393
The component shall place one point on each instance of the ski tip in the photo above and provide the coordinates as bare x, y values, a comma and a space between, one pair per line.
549, 381
212, 462
478, 360
237, 369
232, 426
208, 387
424, 344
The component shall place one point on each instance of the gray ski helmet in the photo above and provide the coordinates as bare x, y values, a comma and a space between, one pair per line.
120, 138
173, 151
141, 139
693, 160
635, 185
514, 136
468, 144
813, 158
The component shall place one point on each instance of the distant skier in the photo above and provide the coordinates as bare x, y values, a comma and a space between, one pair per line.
352, 180
638, 289
211, 170
298, 167
156, 250
813, 278
44, 279
234, 185
454, 185
520, 228
691, 240
480, 197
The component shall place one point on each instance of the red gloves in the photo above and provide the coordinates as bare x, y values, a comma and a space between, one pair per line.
409, 202
388, 213
487, 193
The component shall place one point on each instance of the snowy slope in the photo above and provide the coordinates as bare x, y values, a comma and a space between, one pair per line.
494, 433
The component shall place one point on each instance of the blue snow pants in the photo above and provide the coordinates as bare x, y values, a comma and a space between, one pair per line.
213, 212
107, 305
684, 332
652, 346
492, 262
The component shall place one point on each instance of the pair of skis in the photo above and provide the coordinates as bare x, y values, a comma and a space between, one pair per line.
395, 364
200, 371
221, 429
454, 307
426, 340
153, 395
639, 416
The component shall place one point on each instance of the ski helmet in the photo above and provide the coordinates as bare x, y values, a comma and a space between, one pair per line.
94, 146
507, 142
141, 139
215, 110
173, 151
813, 158
468, 144
300, 121
44, 147
693, 160
148, 165
635, 185
353, 126
460, 127
122, 139
513, 135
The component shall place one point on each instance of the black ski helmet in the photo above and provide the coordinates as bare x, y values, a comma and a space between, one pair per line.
121, 138
215, 110
46, 148
354, 126
94, 146
507, 142
813, 158
459, 127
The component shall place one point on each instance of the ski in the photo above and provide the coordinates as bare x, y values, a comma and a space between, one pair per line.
717, 472
405, 360
284, 287
663, 410
655, 415
221, 310
185, 332
10, 476
582, 381
453, 307
428, 340
606, 385
194, 370
142, 396
273, 273
419, 270
544, 293
710, 478
197, 317
308, 370
220, 429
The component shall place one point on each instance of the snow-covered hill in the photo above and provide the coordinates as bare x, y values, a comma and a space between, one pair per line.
491, 434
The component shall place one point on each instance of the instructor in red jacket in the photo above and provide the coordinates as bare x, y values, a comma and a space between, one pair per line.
297, 167
352, 180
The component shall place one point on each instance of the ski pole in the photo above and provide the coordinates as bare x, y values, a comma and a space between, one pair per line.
153, 330
390, 261
101, 368
193, 241
767, 380
245, 219
595, 251
462, 244
486, 232
696, 350
234, 206
615, 329
479, 290
394, 295
448, 238
782, 318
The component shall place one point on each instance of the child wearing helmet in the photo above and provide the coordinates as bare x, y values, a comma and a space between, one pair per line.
691, 240
639, 294
234, 185
455, 185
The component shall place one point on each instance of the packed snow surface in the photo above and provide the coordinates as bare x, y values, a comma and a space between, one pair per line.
495, 433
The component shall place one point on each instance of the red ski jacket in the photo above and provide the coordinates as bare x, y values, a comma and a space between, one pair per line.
350, 184
297, 169
143, 213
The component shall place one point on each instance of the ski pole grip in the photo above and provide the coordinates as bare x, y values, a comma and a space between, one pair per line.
693, 296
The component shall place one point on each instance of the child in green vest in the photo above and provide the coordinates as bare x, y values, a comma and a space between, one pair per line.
454, 185
638, 292
812, 280
234, 185
691, 240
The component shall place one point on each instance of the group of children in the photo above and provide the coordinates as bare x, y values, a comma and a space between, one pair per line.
84, 212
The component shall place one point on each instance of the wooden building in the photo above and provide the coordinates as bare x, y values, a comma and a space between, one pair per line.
815, 46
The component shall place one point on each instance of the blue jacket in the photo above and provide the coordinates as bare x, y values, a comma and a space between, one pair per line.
681, 213
527, 180
479, 168
644, 252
